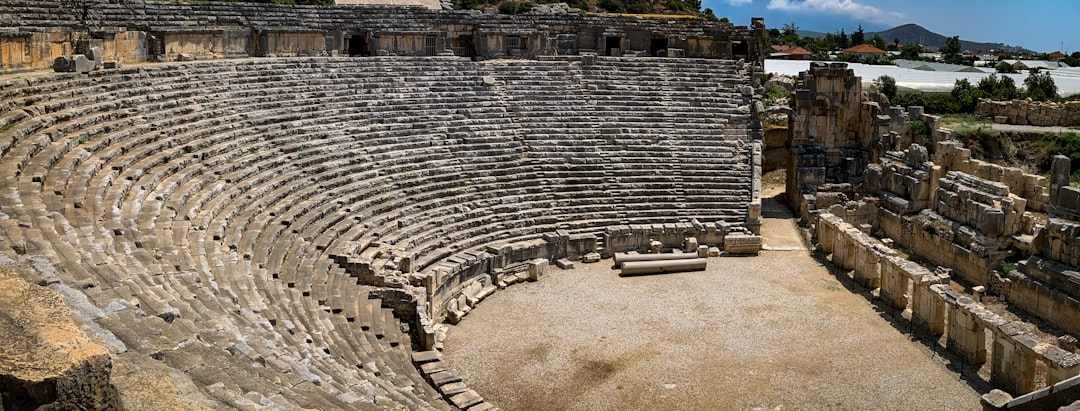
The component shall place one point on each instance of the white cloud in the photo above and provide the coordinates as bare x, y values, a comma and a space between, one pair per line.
739, 2
841, 7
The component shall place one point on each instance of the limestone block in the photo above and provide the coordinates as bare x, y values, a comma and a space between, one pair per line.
740, 243
590, 258
537, 268
703, 251
83, 64
690, 245
95, 56
714, 251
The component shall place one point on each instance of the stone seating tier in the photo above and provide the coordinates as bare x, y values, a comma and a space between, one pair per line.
202, 201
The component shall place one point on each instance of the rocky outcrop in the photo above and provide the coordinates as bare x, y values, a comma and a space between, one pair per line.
46, 361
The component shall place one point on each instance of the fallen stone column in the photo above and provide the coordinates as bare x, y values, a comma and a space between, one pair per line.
663, 266
622, 258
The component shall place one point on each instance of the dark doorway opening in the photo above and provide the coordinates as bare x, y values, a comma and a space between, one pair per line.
613, 45
658, 47
358, 46
740, 49
463, 46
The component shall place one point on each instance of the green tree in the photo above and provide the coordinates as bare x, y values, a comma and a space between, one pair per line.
1003, 67
910, 51
790, 29
842, 42
1040, 86
887, 86
951, 51
998, 88
858, 37
965, 95
878, 42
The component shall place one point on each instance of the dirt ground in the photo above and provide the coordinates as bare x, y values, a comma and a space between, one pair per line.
776, 331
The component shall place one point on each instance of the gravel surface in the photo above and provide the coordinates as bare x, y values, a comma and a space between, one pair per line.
775, 331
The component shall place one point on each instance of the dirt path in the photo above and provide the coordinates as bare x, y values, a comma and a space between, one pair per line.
1010, 128
775, 331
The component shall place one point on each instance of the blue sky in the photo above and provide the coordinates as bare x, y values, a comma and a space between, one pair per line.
1040, 25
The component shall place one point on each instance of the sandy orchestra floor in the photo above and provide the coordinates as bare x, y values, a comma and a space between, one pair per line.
776, 331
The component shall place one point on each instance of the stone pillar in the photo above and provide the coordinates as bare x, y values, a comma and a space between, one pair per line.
966, 334
928, 308
894, 282
1059, 176
844, 248
1013, 365
826, 232
867, 263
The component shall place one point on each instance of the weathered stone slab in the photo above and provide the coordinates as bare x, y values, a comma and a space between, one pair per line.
739, 243
83, 64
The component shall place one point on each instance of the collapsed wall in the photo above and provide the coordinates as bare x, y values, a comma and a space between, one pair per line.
876, 190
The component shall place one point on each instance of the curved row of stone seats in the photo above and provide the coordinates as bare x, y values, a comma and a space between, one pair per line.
201, 202
149, 303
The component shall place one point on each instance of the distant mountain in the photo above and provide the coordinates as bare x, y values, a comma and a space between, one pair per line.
810, 33
914, 33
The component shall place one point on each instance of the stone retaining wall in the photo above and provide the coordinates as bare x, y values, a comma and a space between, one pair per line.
1027, 112
35, 33
939, 309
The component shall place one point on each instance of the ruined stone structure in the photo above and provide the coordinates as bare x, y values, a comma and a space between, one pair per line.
289, 231
1027, 112
34, 33
869, 184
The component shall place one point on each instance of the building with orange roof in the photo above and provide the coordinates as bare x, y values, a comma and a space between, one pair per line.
782, 52
866, 50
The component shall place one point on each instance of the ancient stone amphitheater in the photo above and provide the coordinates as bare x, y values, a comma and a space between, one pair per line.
238, 217
295, 226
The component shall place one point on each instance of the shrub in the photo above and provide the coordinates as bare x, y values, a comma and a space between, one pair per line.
1065, 144
934, 103
1040, 86
1004, 67
613, 6
887, 86
920, 128
514, 7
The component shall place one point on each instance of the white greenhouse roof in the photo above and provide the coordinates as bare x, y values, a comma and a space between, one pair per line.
1067, 79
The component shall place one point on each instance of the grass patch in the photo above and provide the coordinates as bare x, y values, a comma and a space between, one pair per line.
831, 285
1007, 267
968, 124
